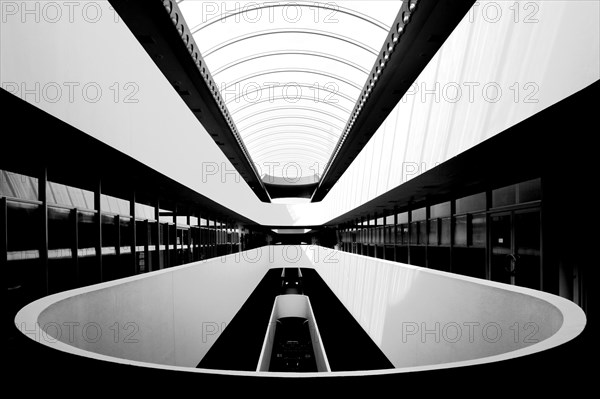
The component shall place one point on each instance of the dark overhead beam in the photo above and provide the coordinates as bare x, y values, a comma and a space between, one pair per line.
160, 28
290, 191
429, 24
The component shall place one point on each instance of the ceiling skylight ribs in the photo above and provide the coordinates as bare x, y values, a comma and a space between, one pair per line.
289, 74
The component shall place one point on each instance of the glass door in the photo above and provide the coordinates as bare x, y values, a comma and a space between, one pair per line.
515, 248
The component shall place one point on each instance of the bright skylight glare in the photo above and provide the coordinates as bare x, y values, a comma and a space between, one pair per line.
290, 72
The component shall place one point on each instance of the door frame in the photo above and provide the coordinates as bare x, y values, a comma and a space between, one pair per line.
512, 211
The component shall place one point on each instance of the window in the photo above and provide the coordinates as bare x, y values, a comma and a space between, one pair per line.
520, 193
439, 210
403, 217
476, 202
478, 230
460, 230
419, 214
433, 231
18, 186
405, 233
445, 226
414, 233
423, 232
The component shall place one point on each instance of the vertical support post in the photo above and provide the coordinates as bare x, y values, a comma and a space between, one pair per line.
409, 221
133, 234
427, 215
452, 212
385, 235
3, 232
200, 237
215, 239
176, 260
361, 236
190, 253
157, 237
374, 234
118, 237
43, 197
146, 246
75, 246
488, 233
369, 235
167, 237
395, 240
98, 206
230, 236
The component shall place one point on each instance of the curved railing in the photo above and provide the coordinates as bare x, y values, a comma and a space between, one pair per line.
420, 318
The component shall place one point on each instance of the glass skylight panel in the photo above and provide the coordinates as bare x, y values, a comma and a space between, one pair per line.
290, 72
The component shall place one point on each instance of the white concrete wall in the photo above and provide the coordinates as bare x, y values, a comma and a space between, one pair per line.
420, 317
393, 302
175, 315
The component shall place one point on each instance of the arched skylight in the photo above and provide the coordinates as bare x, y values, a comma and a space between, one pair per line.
290, 72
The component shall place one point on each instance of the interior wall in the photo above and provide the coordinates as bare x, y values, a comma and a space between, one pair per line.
170, 317
420, 317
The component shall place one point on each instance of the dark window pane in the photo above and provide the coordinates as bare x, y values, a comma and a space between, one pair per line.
433, 232
109, 235
405, 234
60, 233
391, 236
445, 231
530, 191
423, 232
504, 196
414, 233
126, 235
62, 274
22, 222
478, 230
460, 230
88, 233
153, 233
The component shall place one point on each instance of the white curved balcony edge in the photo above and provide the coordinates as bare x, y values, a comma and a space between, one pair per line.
172, 309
